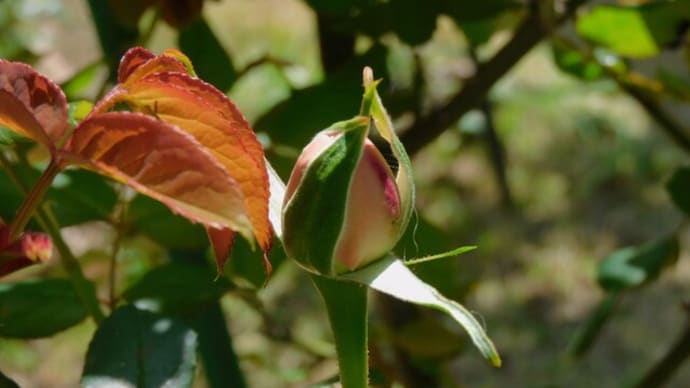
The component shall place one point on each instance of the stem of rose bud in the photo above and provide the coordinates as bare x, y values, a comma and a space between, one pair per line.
33, 199
346, 303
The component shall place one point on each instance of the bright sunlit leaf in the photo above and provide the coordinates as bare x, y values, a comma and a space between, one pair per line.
204, 112
638, 31
393, 278
161, 161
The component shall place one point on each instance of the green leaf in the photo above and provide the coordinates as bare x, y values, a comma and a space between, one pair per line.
178, 288
79, 196
294, 122
10, 194
635, 266
640, 31
675, 83
478, 32
6, 382
464, 11
412, 23
346, 303
575, 63
220, 362
393, 278
679, 189
114, 37
156, 221
135, 348
211, 61
335, 7
38, 308
9, 137
247, 263
78, 110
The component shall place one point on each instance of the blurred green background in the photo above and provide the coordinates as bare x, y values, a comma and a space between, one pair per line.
543, 132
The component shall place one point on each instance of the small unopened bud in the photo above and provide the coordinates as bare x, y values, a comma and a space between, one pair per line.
342, 206
29, 249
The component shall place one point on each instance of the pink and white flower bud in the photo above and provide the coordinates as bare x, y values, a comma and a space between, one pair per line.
370, 221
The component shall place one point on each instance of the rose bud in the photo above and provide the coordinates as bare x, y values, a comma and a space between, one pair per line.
29, 249
342, 206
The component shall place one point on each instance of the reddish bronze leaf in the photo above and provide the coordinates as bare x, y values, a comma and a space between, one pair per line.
35, 96
221, 242
131, 60
139, 62
209, 116
162, 161
15, 116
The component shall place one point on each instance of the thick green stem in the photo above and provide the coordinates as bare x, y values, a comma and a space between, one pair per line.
33, 198
346, 303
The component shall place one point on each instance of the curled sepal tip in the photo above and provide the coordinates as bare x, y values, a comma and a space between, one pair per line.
393, 278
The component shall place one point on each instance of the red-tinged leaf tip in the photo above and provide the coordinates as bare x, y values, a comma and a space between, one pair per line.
15, 116
268, 268
221, 242
131, 60
179, 55
41, 98
139, 62
207, 114
162, 161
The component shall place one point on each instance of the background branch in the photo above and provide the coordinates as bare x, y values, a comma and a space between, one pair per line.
528, 34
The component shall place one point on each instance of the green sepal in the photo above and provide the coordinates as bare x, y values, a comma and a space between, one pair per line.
314, 215
392, 277
373, 106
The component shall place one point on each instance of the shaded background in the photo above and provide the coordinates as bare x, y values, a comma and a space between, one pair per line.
542, 132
